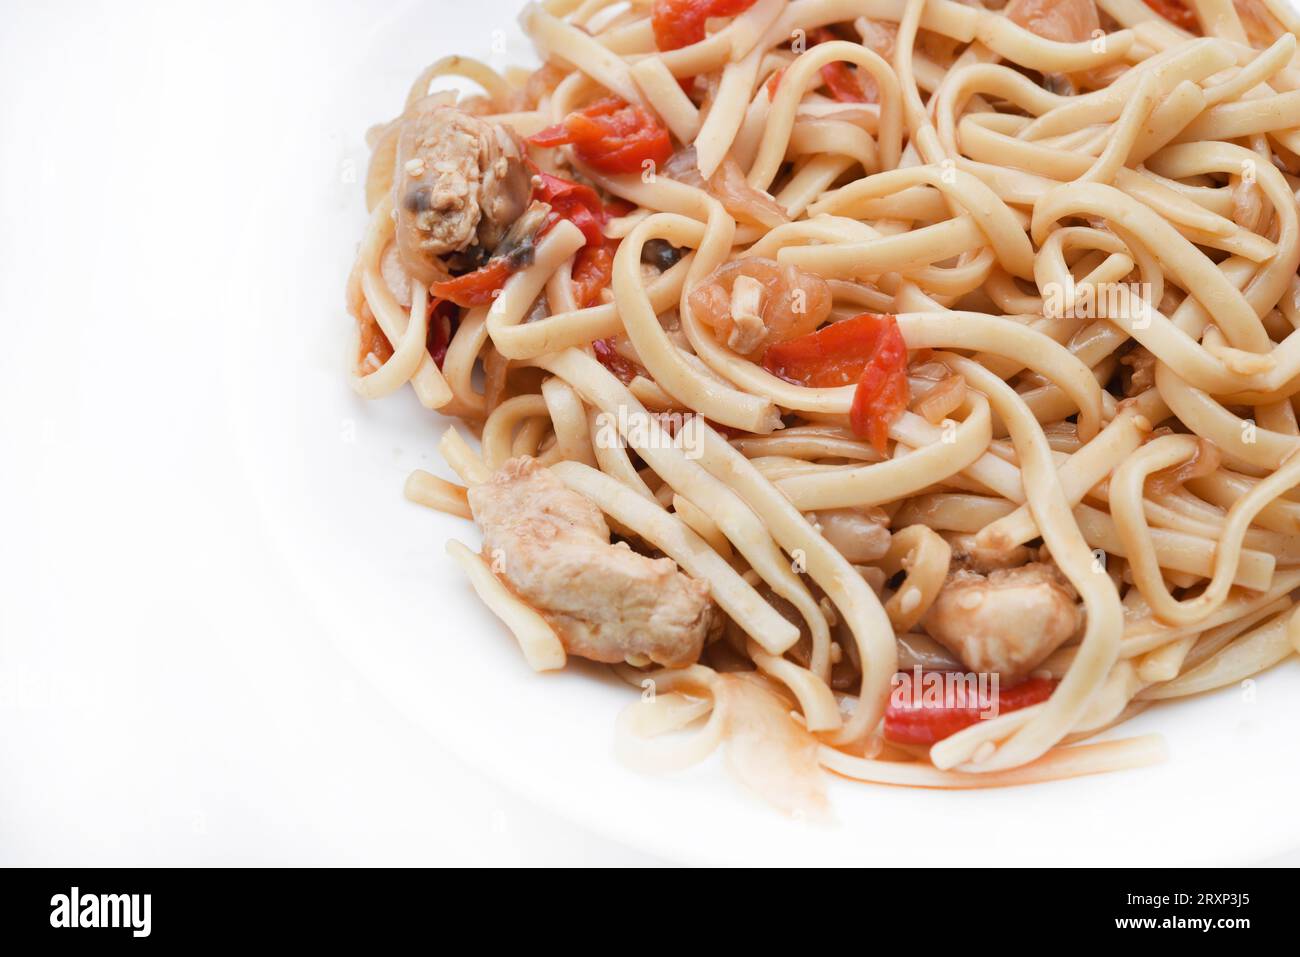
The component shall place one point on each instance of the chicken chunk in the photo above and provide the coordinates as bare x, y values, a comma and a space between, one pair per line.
461, 183
1006, 622
606, 602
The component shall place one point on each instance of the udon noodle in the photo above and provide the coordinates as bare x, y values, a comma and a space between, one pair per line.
899, 344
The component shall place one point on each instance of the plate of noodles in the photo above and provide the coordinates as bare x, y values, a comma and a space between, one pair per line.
832, 429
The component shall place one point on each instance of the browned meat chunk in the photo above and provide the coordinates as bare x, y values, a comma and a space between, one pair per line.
606, 602
461, 182
1006, 622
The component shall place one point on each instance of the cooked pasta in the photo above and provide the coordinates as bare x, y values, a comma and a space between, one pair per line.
905, 389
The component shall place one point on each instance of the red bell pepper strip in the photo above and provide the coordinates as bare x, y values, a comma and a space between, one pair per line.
869, 349
911, 718
578, 204
477, 288
611, 135
594, 265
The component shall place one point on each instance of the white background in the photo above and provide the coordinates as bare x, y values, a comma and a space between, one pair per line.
165, 698
157, 705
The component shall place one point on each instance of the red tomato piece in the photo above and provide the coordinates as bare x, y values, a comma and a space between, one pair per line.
882, 392
913, 719
477, 288
869, 349
592, 270
830, 357
613, 360
612, 135
841, 81
442, 326
619, 207
679, 23
730, 8
580, 205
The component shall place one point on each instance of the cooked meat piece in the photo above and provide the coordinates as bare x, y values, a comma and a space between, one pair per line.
606, 602
461, 183
1007, 622
861, 535
1141, 366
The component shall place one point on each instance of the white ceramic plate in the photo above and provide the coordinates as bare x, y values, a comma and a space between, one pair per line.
327, 471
